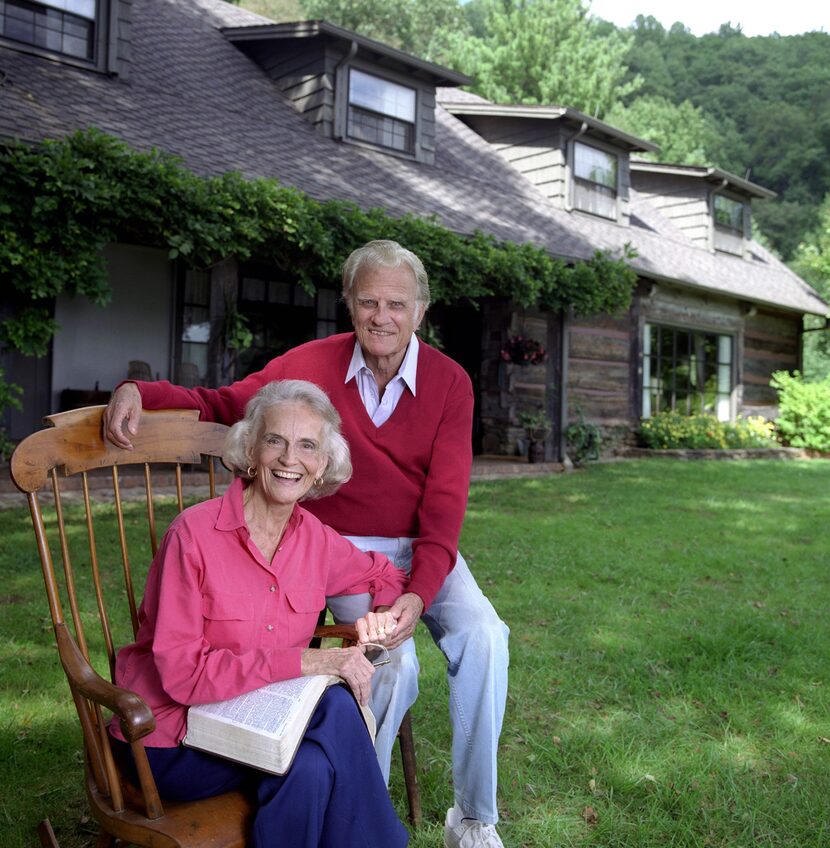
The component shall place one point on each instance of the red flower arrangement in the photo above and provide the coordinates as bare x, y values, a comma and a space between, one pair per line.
523, 351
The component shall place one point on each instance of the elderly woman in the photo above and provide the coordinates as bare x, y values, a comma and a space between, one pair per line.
231, 602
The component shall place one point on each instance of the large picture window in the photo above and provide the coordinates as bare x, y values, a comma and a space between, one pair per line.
689, 371
595, 181
381, 112
729, 224
63, 26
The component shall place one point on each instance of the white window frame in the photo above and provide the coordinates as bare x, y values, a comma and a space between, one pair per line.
380, 113
725, 373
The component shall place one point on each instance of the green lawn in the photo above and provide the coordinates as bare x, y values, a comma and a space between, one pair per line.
670, 662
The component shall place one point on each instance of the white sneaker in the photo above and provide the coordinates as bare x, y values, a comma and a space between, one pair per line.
469, 833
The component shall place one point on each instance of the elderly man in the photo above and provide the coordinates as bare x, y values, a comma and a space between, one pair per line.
407, 415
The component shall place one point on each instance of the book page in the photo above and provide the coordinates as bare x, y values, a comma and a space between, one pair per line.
267, 708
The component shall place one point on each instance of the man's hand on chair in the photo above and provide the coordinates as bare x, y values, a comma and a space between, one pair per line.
122, 416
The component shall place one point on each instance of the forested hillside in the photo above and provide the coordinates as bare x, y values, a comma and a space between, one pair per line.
769, 100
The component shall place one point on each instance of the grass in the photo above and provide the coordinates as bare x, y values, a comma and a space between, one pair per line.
670, 663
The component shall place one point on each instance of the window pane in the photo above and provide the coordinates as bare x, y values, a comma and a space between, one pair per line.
327, 304
729, 213
596, 166
595, 198
382, 96
378, 129
253, 289
302, 297
46, 24
279, 292
84, 8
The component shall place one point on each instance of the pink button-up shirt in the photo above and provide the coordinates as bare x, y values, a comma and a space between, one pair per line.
218, 620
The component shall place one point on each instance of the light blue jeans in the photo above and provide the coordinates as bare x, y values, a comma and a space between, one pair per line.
473, 640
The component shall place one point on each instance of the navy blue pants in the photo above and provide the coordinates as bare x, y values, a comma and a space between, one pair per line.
333, 796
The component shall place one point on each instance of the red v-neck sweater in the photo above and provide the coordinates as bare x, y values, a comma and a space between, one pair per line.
411, 475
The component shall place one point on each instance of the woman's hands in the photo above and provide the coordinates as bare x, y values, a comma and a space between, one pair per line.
377, 627
348, 663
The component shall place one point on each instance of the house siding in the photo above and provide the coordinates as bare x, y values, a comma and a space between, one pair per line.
772, 342
120, 38
683, 201
534, 148
305, 77
599, 369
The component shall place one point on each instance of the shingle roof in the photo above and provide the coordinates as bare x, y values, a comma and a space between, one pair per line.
194, 94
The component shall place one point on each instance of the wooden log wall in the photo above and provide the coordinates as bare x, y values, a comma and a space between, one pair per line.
772, 342
599, 369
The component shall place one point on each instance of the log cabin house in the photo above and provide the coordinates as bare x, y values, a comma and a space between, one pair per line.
338, 115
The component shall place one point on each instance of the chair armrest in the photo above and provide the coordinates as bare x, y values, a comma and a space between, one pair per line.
135, 717
345, 632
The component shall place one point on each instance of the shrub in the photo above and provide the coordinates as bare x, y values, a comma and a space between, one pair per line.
804, 410
673, 430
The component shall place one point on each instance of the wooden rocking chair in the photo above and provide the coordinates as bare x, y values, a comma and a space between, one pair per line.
73, 447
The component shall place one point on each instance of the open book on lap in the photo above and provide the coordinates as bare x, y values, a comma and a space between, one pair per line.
262, 728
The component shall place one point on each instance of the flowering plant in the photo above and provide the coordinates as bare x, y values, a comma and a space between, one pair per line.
523, 351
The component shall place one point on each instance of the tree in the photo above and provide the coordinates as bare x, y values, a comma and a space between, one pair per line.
277, 10
812, 262
684, 132
544, 52
419, 27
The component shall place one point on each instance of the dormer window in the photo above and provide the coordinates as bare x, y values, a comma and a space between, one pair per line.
381, 112
61, 26
595, 181
729, 224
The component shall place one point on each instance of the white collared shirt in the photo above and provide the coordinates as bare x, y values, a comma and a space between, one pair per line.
379, 409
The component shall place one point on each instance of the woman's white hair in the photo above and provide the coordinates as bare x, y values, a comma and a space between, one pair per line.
384, 253
242, 437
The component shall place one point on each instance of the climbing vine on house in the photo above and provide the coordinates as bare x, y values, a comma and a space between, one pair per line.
61, 202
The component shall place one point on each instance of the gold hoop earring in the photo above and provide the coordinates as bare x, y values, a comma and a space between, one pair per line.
318, 481
251, 471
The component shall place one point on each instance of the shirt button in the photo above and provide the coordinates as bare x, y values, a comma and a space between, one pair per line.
269, 627
272, 588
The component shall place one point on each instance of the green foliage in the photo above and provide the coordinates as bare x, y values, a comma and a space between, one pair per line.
584, 440
276, 10
544, 52
804, 410
420, 27
741, 82
536, 422
812, 262
684, 132
668, 430
63, 201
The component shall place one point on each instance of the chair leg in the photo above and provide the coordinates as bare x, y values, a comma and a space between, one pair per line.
47, 835
410, 769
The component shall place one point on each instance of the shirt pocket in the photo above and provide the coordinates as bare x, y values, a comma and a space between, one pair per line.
229, 621
304, 606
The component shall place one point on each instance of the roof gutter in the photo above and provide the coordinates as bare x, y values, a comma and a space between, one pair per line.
338, 129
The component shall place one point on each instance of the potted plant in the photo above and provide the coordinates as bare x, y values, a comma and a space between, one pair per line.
583, 440
537, 426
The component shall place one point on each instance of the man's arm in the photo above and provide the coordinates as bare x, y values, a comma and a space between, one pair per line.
444, 499
441, 513
225, 405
